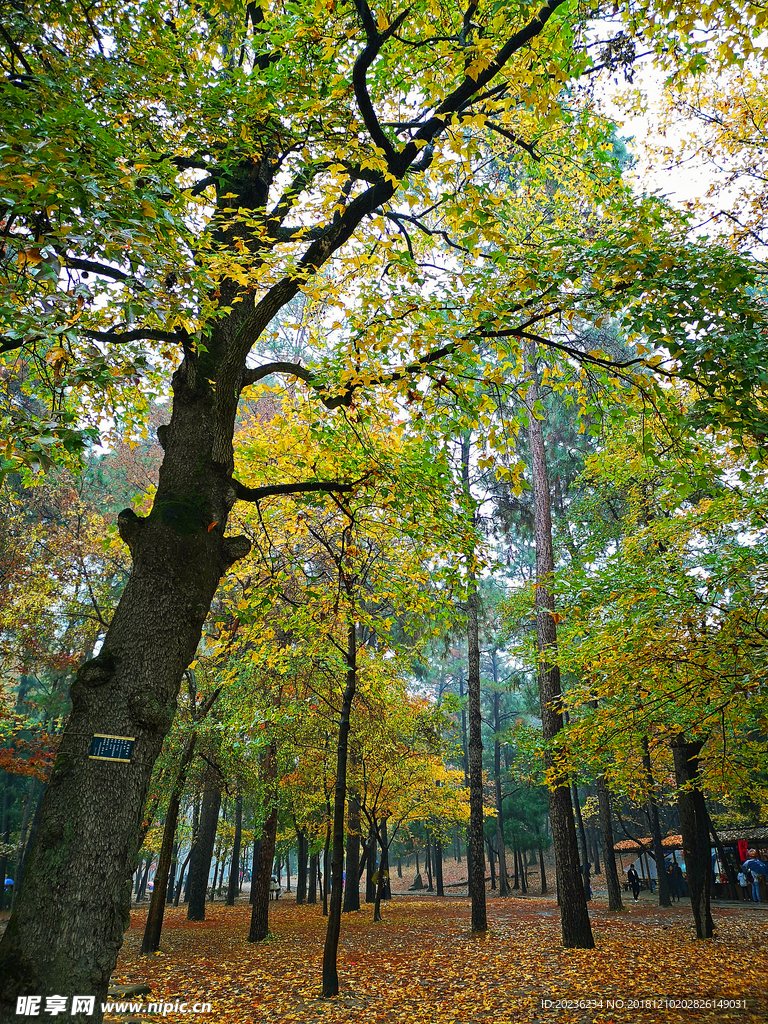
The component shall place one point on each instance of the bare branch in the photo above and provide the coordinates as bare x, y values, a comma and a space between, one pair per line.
92, 267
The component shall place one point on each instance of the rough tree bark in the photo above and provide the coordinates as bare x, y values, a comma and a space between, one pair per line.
574, 917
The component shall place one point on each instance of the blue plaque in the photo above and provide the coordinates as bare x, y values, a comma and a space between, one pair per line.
111, 748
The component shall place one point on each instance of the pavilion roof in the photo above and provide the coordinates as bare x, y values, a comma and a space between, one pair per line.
631, 846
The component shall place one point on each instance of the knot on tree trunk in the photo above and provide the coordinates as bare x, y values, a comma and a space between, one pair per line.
149, 711
97, 671
129, 526
235, 548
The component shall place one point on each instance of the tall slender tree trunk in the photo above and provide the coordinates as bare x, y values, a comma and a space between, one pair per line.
428, 865
439, 867
262, 868
476, 868
312, 885
162, 894
503, 881
171, 887
694, 825
662, 879
233, 888
542, 872
206, 839
301, 865
491, 862
331, 948
596, 851
370, 869
382, 885
254, 863
606, 829
180, 883
195, 834
574, 916
352, 884
326, 860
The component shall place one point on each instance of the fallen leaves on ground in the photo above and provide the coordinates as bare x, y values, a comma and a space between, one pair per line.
422, 964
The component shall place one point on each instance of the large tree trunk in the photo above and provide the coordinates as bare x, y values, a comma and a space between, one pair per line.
234, 868
262, 868
606, 829
574, 917
206, 840
69, 921
331, 948
653, 818
476, 867
694, 825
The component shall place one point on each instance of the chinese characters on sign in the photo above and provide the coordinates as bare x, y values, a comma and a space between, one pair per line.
29, 1006
111, 748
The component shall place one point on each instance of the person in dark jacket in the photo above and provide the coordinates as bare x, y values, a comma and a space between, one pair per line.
634, 880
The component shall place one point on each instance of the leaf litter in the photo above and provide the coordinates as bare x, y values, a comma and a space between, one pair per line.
421, 964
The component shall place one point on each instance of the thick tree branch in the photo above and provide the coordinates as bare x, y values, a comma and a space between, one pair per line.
307, 487
374, 42
141, 334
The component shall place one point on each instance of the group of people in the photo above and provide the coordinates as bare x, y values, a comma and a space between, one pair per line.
675, 881
748, 878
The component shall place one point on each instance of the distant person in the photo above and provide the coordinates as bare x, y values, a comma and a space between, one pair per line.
634, 880
680, 886
756, 867
673, 883
743, 881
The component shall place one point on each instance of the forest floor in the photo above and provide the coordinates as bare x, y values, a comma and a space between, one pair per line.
421, 964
